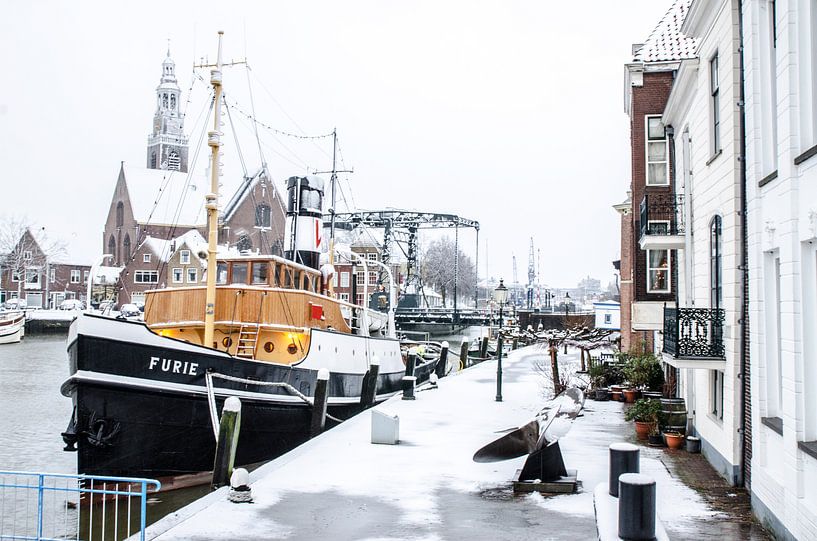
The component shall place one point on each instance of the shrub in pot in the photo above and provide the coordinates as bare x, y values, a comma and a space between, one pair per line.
646, 414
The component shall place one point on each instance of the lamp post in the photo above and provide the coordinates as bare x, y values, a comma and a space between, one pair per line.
500, 296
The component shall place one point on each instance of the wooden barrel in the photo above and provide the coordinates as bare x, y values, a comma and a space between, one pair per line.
674, 415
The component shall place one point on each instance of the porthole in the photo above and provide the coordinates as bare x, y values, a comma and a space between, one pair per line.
292, 349
269, 347
227, 342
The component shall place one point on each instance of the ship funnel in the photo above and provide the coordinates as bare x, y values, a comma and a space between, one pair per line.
304, 227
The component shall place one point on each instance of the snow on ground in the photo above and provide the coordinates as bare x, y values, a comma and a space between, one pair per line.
428, 486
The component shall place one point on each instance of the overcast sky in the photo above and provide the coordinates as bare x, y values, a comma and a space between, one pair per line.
506, 112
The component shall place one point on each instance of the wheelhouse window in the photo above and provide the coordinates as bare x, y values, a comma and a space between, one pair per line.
658, 271
260, 273
221, 274
657, 155
177, 276
239, 273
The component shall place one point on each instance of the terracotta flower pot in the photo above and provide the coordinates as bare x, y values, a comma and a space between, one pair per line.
674, 440
629, 395
642, 430
615, 395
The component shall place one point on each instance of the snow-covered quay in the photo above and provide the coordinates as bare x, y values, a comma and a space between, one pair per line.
341, 486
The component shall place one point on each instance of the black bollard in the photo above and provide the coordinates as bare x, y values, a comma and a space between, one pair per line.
515, 343
369, 390
464, 353
411, 361
623, 459
408, 387
227, 442
319, 403
443, 361
499, 369
636, 507
483, 350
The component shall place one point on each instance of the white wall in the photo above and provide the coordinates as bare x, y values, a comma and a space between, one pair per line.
605, 311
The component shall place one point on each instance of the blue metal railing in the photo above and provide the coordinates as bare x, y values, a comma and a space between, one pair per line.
32, 505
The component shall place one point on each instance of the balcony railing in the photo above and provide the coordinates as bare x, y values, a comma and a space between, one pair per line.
662, 214
694, 333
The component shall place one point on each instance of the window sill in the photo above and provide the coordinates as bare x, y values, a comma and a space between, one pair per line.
775, 423
808, 447
806, 155
767, 179
714, 156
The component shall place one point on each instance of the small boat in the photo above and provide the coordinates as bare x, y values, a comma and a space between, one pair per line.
12, 326
146, 394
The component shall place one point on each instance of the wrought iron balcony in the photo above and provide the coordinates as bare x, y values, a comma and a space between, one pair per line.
662, 221
694, 333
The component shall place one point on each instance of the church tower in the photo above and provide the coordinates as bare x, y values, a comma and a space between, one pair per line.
167, 145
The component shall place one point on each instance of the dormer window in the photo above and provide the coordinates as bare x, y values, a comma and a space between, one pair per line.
184, 257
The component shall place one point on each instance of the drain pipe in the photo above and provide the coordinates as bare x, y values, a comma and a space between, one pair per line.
745, 439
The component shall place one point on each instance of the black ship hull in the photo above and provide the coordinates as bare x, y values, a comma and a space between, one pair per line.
141, 406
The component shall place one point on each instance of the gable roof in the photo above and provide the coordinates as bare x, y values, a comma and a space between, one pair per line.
666, 42
166, 197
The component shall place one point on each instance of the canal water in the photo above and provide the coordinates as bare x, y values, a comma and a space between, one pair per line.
33, 414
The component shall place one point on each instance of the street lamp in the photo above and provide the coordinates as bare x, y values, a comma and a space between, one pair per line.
500, 296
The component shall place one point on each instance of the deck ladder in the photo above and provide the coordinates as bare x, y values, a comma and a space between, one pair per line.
247, 340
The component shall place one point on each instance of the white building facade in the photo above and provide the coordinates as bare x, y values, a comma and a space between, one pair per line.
780, 40
702, 337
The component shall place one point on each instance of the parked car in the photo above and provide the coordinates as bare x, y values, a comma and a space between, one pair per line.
15, 304
129, 310
72, 304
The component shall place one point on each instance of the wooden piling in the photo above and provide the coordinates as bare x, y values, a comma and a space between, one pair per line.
442, 361
319, 404
464, 353
411, 361
369, 390
515, 343
227, 443
554, 367
483, 350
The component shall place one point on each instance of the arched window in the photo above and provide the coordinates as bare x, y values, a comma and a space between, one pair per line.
262, 216
120, 214
244, 243
112, 248
126, 255
715, 265
153, 162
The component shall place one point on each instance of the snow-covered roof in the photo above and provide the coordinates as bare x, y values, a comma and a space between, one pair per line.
166, 197
159, 247
666, 42
107, 275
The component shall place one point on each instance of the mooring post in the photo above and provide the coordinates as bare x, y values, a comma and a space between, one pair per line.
515, 343
319, 403
228, 430
499, 369
464, 353
408, 387
636, 506
411, 361
623, 459
442, 362
584, 368
483, 350
369, 390
554, 367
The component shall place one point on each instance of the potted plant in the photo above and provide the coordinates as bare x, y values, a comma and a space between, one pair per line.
645, 413
643, 371
675, 440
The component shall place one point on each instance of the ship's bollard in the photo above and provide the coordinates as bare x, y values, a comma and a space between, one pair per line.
623, 459
442, 361
319, 403
227, 442
499, 369
483, 350
411, 361
464, 353
515, 343
240, 491
369, 390
636, 507
408, 387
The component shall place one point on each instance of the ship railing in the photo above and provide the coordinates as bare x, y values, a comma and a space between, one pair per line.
52, 506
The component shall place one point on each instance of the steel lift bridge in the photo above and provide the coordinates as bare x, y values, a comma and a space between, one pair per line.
400, 228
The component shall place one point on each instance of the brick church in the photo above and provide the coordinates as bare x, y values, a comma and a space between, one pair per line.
152, 206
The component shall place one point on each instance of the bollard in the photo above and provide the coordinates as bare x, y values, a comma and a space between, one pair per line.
636, 507
227, 442
499, 369
515, 343
319, 403
623, 459
464, 353
442, 362
240, 491
411, 361
483, 350
408, 387
369, 390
